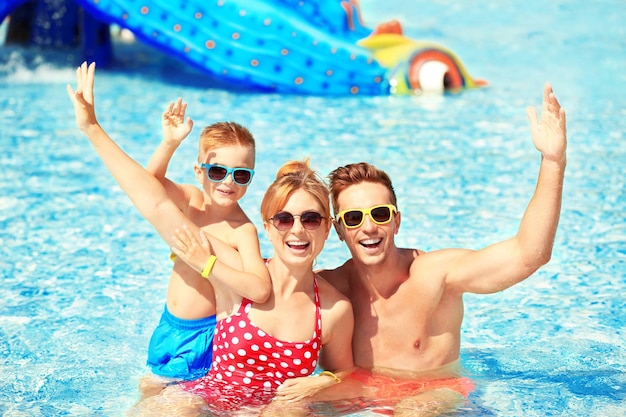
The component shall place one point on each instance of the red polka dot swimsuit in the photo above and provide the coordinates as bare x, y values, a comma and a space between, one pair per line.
245, 356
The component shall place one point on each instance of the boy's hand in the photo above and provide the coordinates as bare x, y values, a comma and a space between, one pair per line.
175, 129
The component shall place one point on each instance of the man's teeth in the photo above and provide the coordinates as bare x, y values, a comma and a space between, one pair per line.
367, 242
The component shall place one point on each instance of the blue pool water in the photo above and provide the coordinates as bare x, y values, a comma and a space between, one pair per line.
84, 276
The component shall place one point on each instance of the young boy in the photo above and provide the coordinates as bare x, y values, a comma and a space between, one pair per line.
237, 262
181, 345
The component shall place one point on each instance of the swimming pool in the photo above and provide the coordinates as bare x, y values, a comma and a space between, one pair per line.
84, 276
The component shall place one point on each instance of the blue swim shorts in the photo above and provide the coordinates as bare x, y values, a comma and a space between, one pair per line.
181, 349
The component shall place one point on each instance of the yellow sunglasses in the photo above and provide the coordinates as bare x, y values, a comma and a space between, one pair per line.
354, 218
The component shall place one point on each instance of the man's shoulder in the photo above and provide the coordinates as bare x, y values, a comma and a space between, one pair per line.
430, 269
417, 256
410, 257
338, 277
335, 273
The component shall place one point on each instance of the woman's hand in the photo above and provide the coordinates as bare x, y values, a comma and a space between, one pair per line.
83, 98
295, 389
193, 250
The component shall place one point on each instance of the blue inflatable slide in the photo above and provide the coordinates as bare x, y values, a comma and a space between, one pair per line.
314, 47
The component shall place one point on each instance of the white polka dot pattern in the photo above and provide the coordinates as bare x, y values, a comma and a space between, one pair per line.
244, 355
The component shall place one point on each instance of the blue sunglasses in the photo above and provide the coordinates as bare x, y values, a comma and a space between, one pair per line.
218, 173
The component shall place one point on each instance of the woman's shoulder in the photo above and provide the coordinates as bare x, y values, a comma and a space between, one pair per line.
329, 295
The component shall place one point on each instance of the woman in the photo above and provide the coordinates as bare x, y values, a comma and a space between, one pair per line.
270, 348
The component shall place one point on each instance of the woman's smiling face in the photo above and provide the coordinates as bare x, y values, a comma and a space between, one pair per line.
299, 245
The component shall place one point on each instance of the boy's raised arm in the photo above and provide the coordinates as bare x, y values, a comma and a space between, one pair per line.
175, 130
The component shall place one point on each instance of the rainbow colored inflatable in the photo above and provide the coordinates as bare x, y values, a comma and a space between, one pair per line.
288, 46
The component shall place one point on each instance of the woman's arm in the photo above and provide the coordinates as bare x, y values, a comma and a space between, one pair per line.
194, 248
336, 358
145, 191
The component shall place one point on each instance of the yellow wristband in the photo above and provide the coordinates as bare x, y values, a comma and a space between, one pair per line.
209, 266
330, 374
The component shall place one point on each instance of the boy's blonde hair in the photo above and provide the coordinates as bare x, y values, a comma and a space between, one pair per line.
293, 176
223, 134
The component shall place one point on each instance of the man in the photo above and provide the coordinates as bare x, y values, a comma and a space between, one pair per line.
408, 304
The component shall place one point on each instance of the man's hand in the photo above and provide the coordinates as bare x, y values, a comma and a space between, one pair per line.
549, 136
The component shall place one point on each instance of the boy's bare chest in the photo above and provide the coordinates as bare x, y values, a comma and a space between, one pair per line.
222, 229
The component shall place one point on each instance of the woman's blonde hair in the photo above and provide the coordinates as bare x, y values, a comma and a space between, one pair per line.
293, 176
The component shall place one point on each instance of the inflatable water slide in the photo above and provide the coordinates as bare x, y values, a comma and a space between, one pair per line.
313, 47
